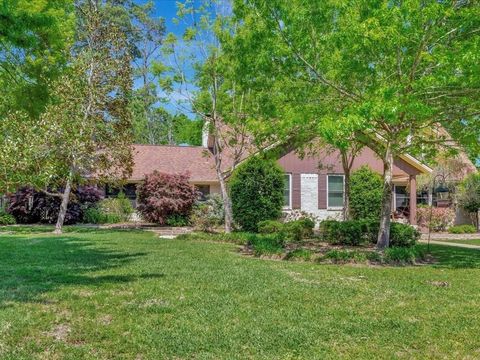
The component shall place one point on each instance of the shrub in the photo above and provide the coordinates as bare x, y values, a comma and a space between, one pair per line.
119, 208
338, 256
295, 231
349, 233
95, 215
357, 232
164, 195
256, 189
6, 219
29, 206
177, 220
469, 196
366, 188
300, 254
441, 218
207, 215
270, 227
462, 229
292, 231
403, 235
402, 255
268, 244
239, 238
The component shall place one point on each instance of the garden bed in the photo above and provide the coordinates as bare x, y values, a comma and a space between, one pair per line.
323, 252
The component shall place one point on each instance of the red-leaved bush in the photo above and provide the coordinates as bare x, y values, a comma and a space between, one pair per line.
442, 218
162, 196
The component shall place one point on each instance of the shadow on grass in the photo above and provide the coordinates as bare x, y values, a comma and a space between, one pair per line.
40, 229
455, 257
32, 266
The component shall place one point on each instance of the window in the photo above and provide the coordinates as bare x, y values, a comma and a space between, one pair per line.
335, 189
130, 191
287, 191
204, 191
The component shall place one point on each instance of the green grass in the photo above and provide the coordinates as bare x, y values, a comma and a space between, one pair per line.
130, 295
466, 241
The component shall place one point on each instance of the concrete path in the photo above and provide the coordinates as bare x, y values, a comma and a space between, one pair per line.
454, 244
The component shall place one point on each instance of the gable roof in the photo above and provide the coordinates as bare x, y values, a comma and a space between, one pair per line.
194, 160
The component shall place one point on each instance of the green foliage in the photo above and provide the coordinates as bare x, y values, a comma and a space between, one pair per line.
403, 235
270, 227
177, 220
292, 231
359, 232
256, 189
6, 219
239, 238
462, 229
385, 70
299, 254
403, 255
95, 215
120, 207
109, 211
469, 193
266, 244
366, 190
209, 214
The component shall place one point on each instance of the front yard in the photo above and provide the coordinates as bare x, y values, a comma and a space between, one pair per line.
130, 295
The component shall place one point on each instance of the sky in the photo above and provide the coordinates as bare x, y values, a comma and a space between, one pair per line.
167, 9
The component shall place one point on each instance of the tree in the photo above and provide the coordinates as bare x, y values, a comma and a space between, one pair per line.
395, 72
256, 188
163, 196
209, 92
34, 39
366, 194
88, 123
469, 196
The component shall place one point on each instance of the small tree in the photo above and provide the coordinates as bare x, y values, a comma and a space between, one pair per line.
365, 194
469, 196
256, 189
165, 195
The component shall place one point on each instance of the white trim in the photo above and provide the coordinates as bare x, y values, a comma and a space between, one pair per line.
336, 207
289, 207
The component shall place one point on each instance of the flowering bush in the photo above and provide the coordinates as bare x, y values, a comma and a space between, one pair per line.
442, 218
162, 196
29, 206
296, 214
208, 214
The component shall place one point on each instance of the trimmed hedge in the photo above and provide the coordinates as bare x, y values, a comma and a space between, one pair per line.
256, 190
358, 232
292, 231
366, 191
462, 229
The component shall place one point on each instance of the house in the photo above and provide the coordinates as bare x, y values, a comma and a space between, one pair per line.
314, 184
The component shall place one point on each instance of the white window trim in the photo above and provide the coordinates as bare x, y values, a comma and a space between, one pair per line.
289, 206
336, 207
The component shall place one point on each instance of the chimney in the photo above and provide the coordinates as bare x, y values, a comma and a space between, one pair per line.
207, 137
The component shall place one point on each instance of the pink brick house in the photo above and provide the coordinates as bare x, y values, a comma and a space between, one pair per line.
314, 184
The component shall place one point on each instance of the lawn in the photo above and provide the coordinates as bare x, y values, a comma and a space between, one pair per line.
130, 295
465, 241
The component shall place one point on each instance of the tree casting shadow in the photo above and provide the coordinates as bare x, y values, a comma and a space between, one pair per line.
30, 266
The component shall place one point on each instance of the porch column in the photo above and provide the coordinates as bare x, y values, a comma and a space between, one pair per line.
413, 200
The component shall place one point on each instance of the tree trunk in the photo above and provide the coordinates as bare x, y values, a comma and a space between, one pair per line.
384, 231
478, 220
346, 172
63, 207
227, 204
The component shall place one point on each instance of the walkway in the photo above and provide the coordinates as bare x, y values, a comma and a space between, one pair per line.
455, 244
